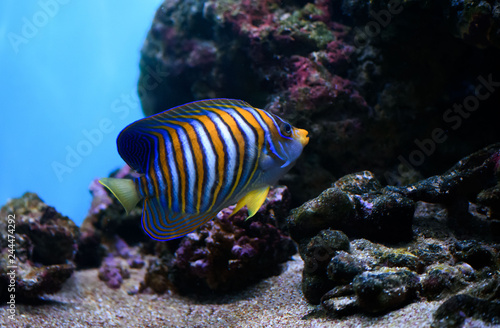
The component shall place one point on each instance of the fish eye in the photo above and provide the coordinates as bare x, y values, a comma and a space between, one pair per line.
286, 129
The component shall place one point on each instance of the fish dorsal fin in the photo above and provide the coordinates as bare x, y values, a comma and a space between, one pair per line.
253, 200
202, 107
138, 142
163, 225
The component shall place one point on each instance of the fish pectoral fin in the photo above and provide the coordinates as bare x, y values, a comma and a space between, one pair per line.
253, 200
160, 224
124, 190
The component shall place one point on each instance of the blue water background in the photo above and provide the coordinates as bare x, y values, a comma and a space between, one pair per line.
67, 70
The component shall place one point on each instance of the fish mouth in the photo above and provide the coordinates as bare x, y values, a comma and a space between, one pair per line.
302, 136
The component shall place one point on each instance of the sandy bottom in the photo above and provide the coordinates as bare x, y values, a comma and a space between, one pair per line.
85, 301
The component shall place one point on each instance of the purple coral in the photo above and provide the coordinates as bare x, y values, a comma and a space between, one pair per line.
113, 271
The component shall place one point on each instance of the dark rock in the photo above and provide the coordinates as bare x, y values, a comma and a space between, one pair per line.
376, 214
442, 280
316, 254
52, 235
474, 253
459, 186
156, 277
431, 251
314, 286
358, 183
343, 267
454, 311
491, 199
333, 205
38, 243
385, 290
340, 301
323, 246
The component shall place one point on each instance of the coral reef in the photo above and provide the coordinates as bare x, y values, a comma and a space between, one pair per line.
38, 245
120, 259
436, 256
370, 81
226, 253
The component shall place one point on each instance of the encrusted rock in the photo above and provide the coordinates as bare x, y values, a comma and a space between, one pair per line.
113, 271
460, 187
340, 301
473, 253
343, 267
358, 206
316, 254
384, 290
441, 280
454, 311
38, 243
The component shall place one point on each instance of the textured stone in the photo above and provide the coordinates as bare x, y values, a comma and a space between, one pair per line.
356, 206
38, 243
385, 290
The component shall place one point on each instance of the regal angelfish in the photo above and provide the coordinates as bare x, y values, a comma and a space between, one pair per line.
199, 158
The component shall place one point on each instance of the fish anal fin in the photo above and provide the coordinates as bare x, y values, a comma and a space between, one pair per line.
253, 200
164, 225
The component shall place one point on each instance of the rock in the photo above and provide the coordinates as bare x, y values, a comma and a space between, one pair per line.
32, 282
38, 243
316, 254
120, 259
315, 286
473, 253
355, 204
343, 267
441, 280
431, 251
459, 187
454, 311
400, 259
385, 290
340, 301
474, 23
113, 271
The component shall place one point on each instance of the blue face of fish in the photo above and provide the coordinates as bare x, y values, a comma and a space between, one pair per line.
201, 157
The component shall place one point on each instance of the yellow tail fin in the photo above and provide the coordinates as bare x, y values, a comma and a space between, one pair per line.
124, 190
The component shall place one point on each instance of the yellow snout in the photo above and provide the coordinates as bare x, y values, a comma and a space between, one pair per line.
301, 135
